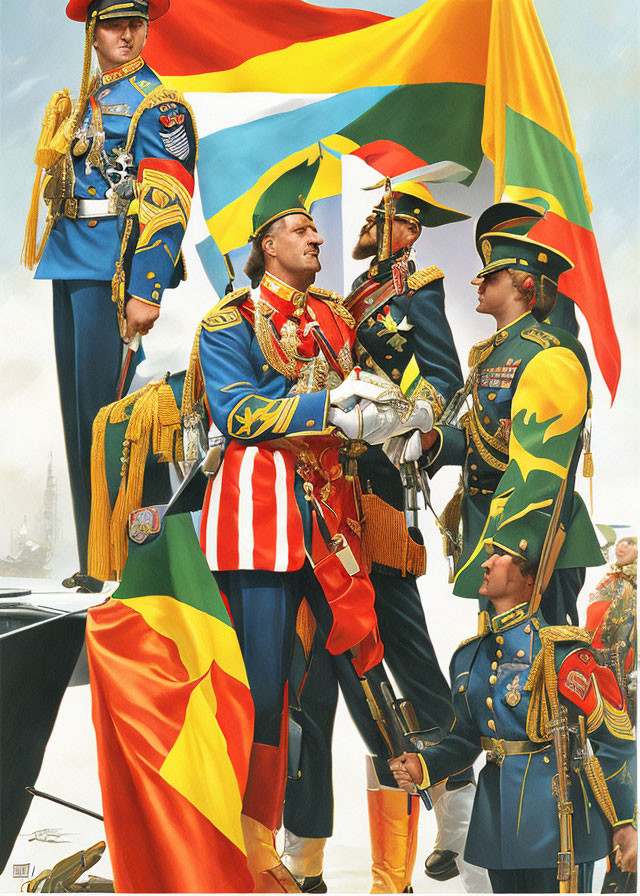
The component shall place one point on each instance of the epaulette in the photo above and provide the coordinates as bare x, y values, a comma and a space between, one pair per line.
328, 294
426, 275
337, 301
535, 334
225, 314
159, 95
469, 640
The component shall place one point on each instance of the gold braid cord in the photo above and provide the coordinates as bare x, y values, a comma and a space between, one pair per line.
544, 704
543, 679
153, 424
118, 281
193, 388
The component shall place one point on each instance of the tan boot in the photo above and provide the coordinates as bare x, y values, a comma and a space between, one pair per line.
268, 872
394, 837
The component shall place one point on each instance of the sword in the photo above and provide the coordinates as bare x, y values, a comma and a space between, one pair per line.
128, 351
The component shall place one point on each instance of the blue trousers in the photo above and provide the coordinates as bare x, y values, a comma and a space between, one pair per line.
88, 357
536, 880
409, 655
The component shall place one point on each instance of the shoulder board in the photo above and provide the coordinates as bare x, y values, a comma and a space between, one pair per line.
468, 641
558, 633
543, 338
424, 276
327, 294
157, 97
225, 314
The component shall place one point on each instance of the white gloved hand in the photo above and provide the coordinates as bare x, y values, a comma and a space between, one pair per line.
349, 422
379, 422
358, 385
404, 448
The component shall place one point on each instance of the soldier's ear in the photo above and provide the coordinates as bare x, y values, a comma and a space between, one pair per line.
268, 245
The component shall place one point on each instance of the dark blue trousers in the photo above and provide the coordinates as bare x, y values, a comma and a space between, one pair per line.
409, 655
88, 358
536, 880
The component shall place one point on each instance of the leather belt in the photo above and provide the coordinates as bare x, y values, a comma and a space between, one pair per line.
88, 208
497, 748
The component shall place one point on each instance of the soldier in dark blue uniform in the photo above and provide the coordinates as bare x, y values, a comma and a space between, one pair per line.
403, 335
119, 181
534, 699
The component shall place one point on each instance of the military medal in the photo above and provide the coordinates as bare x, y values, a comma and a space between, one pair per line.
513, 692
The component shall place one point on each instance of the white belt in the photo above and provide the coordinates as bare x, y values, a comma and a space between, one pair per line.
95, 208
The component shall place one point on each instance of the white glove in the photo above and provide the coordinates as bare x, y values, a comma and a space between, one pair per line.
358, 385
404, 448
350, 422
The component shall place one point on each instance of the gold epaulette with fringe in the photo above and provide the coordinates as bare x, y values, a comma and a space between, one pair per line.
153, 425
424, 276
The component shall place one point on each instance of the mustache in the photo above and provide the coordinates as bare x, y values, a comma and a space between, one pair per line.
367, 227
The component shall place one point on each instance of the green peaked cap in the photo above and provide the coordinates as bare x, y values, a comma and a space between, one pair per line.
502, 242
285, 196
514, 217
508, 250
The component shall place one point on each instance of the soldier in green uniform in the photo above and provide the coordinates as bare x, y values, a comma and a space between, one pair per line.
520, 442
557, 790
403, 335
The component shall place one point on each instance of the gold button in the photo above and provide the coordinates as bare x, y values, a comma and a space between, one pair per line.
150, 275
489, 702
388, 357
545, 759
487, 419
498, 653
158, 285
527, 629
91, 223
461, 689
494, 666
491, 396
523, 544
416, 211
520, 653
499, 639
310, 422
265, 367
92, 191
155, 294
493, 679
491, 724
474, 466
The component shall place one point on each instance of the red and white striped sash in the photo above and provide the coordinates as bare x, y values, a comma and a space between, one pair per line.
250, 519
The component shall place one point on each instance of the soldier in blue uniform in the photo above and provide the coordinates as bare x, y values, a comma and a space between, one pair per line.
119, 181
402, 335
531, 696
519, 443
273, 364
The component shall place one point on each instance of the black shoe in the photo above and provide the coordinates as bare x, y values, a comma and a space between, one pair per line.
312, 884
441, 864
84, 583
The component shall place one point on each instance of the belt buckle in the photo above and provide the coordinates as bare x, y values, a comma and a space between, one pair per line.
71, 208
498, 754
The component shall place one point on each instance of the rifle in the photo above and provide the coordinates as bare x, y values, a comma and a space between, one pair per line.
567, 868
396, 719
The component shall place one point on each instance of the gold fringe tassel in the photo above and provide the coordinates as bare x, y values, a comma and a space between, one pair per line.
57, 111
154, 423
193, 388
98, 563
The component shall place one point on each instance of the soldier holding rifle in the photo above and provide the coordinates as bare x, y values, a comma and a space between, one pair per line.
557, 791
